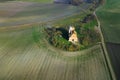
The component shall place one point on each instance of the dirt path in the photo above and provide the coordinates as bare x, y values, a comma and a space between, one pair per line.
106, 55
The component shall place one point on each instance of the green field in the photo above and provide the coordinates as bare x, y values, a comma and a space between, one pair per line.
43, 1
37, 0
29, 13
21, 58
109, 16
25, 53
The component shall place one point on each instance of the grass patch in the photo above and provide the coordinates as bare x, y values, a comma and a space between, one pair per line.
43, 1
109, 16
85, 28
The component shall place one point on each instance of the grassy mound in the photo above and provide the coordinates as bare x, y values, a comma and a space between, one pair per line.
87, 35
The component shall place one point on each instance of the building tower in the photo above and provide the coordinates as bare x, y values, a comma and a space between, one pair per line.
73, 35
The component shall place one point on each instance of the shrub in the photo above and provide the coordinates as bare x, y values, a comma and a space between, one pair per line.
86, 34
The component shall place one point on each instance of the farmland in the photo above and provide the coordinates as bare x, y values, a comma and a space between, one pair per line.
109, 16
29, 13
41, 1
22, 58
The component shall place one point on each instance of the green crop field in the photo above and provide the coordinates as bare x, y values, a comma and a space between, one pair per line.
37, 0
43, 1
25, 53
28, 12
21, 58
109, 16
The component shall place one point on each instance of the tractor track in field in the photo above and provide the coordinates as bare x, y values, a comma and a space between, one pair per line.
35, 13
22, 59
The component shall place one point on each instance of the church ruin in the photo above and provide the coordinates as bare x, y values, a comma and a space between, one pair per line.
73, 35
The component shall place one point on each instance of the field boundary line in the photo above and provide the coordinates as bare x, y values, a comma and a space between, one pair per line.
105, 52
